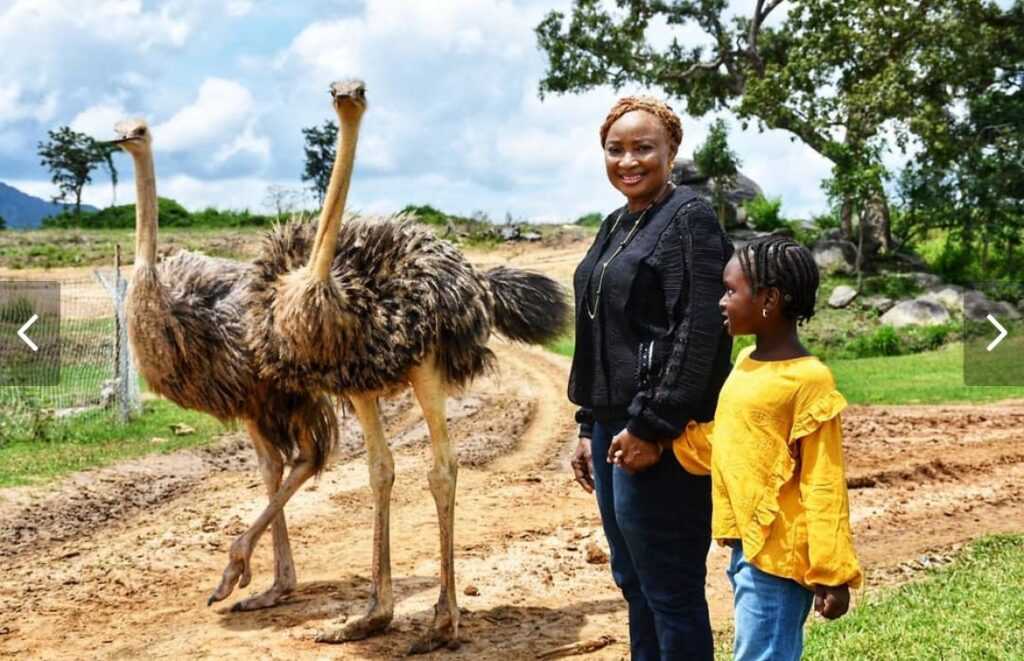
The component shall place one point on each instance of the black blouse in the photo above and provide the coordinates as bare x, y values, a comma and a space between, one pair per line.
655, 352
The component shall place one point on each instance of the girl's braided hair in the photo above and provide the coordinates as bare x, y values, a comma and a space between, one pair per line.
661, 110
780, 262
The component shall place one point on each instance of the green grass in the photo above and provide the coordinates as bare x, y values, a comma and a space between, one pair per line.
932, 377
971, 609
43, 449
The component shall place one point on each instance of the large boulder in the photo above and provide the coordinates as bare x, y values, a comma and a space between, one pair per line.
977, 306
835, 256
949, 297
742, 190
916, 312
842, 296
880, 304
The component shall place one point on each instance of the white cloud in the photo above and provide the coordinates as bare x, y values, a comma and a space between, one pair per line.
248, 142
238, 8
14, 106
219, 110
98, 121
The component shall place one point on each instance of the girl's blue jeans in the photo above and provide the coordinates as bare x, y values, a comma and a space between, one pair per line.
770, 612
658, 525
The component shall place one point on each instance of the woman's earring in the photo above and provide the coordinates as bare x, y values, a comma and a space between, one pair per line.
764, 313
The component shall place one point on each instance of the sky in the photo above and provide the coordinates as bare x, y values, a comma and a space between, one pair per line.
454, 116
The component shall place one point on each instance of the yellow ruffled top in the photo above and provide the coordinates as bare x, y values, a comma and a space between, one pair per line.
775, 456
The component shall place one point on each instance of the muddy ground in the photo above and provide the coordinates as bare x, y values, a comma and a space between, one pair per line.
118, 562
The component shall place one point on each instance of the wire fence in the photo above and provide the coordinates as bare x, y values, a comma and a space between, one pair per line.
96, 366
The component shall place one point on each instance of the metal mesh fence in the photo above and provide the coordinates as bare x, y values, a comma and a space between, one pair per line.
96, 368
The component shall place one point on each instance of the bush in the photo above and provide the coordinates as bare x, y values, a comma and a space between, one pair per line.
590, 220
892, 286
764, 214
426, 214
172, 214
888, 341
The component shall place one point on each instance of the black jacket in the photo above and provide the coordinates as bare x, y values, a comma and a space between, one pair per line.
656, 352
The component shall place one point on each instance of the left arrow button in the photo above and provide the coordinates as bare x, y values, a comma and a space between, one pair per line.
25, 338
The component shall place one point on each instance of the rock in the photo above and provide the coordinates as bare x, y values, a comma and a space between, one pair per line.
915, 312
835, 256
977, 307
879, 304
471, 591
595, 554
742, 190
842, 296
531, 236
948, 297
924, 279
181, 429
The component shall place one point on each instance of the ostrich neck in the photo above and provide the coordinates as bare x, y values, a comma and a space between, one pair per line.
145, 211
334, 201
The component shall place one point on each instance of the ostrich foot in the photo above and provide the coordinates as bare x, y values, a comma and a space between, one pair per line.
443, 633
238, 570
374, 622
277, 593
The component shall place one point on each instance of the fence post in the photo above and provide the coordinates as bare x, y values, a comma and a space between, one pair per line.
117, 321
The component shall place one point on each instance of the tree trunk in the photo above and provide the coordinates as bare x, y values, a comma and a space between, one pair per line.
846, 218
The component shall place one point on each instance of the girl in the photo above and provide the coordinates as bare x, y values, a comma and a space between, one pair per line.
774, 451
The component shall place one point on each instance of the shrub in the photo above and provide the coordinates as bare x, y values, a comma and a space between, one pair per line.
592, 219
426, 214
764, 214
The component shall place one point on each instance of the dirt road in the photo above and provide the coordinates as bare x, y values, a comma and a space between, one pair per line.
117, 563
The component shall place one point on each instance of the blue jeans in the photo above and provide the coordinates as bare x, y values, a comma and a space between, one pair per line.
658, 525
770, 612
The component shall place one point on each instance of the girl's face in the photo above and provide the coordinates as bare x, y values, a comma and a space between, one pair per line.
637, 157
740, 307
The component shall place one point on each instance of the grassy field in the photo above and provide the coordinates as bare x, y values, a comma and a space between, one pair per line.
43, 448
931, 377
971, 609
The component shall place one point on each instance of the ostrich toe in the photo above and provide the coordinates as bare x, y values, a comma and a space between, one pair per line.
374, 622
238, 570
273, 596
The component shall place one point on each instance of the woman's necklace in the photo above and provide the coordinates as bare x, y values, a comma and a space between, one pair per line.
592, 313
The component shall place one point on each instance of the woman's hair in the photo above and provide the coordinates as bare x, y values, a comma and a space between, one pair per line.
661, 110
780, 262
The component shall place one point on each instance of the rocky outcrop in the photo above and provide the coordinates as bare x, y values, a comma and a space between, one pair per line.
742, 190
916, 312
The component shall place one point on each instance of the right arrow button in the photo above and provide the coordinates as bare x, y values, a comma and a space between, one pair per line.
999, 338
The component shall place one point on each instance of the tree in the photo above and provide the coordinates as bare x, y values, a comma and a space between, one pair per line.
320, 154
971, 184
837, 74
3, 223
282, 199
71, 158
716, 160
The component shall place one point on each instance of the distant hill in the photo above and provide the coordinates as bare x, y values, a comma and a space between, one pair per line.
22, 211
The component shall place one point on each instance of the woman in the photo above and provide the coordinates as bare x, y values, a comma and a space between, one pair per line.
651, 354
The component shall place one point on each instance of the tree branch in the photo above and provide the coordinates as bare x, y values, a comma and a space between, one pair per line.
760, 13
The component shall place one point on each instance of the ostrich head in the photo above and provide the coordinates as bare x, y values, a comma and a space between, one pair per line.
349, 99
132, 135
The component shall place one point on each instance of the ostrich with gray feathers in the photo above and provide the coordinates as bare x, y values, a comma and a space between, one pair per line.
374, 306
186, 326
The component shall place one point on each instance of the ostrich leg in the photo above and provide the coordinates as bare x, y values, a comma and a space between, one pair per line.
272, 468
432, 396
382, 476
238, 569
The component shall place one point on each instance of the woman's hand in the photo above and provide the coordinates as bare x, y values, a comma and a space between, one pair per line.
831, 602
633, 454
583, 465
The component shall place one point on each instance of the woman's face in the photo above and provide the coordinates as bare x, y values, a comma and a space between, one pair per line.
637, 157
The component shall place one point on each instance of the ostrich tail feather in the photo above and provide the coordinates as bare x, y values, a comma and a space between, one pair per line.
528, 307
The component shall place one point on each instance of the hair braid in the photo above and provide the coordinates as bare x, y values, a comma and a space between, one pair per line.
780, 262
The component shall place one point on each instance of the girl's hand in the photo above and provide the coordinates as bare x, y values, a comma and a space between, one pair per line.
633, 454
831, 602
583, 466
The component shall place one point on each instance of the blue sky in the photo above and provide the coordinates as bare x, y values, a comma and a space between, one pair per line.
454, 118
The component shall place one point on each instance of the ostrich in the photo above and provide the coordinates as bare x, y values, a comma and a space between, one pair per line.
185, 322
373, 308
